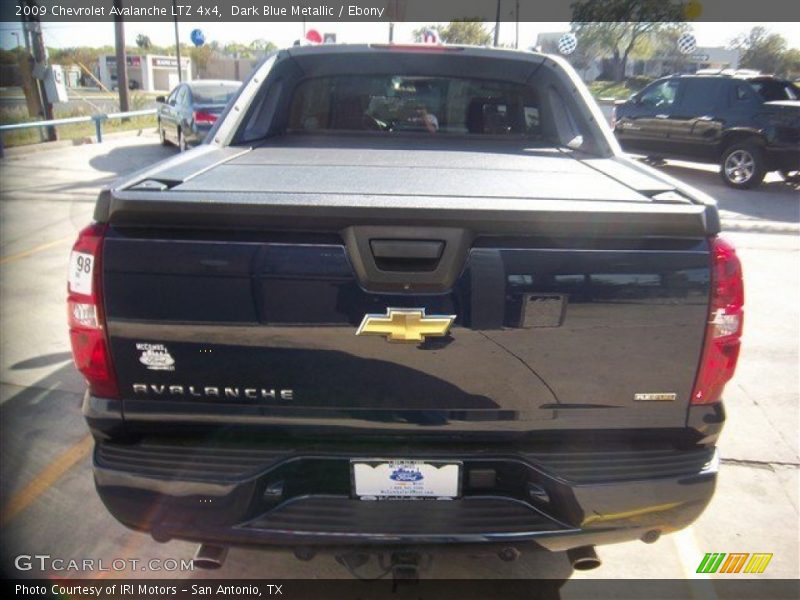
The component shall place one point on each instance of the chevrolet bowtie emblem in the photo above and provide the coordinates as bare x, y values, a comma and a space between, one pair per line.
406, 325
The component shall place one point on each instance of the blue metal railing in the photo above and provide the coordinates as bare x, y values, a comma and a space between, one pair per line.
98, 122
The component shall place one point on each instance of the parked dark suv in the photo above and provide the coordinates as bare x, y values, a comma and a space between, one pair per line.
748, 124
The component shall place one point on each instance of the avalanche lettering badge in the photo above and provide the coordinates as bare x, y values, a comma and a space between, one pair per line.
156, 357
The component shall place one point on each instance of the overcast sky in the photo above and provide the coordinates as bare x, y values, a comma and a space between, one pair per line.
283, 34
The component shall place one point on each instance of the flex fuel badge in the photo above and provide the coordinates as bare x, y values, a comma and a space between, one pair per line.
156, 357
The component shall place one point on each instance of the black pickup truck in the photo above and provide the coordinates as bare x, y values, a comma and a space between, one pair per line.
405, 295
749, 125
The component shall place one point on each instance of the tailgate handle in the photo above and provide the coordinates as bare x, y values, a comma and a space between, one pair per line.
406, 248
407, 258
406, 255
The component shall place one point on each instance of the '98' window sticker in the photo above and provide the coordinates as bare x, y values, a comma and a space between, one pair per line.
81, 265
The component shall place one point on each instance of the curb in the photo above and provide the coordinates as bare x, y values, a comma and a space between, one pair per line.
760, 227
57, 145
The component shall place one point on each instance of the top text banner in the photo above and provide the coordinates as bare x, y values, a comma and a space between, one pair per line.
401, 10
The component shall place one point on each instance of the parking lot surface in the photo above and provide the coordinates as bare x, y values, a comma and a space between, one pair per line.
48, 498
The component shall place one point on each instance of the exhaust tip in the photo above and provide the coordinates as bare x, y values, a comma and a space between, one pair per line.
210, 557
509, 554
651, 536
583, 558
160, 537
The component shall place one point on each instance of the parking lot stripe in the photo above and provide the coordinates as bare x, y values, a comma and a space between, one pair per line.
18, 255
700, 586
44, 479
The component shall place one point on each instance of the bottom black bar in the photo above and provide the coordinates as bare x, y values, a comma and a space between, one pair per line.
389, 588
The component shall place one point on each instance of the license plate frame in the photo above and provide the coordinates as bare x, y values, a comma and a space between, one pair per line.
395, 479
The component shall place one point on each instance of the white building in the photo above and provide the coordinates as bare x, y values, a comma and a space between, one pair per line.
715, 58
149, 72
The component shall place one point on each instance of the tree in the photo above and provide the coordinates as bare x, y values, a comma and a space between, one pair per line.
764, 51
469, 32
580, 58
200, 56
262, 46
617, 26
237, 50
143, 41
13, 56
665, 47
792, 63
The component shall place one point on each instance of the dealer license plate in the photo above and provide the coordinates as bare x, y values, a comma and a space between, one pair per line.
397, 478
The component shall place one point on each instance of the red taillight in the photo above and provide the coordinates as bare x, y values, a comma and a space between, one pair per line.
85, 314
724, 330
202, 117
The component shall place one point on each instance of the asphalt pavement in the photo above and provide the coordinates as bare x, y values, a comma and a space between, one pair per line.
49, 505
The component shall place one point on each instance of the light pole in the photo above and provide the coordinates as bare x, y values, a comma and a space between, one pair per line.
177, 40
16, 35
122, 61
497, 25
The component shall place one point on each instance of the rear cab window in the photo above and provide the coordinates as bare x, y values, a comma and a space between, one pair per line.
213, 93
384, 95
402, 103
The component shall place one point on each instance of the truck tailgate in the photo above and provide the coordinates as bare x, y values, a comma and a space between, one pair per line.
260, 329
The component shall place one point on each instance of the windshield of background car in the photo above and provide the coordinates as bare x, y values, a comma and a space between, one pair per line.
394, 103
213, 94
772, 90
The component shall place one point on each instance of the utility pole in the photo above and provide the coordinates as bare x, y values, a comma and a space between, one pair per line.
516, 37
33, 99
177, 41
497, 25
391, 32
122, 59
33, 28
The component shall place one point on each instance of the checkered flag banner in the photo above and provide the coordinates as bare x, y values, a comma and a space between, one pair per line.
687, 43
567, 43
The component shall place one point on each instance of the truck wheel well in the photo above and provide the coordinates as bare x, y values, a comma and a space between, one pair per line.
736, 137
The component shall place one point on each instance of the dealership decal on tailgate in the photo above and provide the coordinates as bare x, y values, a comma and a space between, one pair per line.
406, 479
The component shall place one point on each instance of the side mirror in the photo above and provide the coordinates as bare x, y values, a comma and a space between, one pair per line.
161, 99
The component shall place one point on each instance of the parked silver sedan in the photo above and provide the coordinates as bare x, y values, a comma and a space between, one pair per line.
191, 109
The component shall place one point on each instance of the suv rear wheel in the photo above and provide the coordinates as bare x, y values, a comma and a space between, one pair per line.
743, 165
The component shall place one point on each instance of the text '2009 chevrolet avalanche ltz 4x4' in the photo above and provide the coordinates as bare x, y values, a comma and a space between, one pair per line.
403, 296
